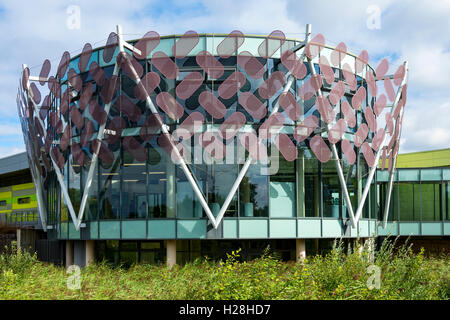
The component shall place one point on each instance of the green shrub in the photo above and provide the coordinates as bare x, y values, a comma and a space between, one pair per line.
340, 274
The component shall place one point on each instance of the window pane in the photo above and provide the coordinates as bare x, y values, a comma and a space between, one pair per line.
282, 189
110, 188
134, 192
430, 202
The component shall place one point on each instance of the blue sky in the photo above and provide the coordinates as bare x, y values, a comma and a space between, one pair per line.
417, 31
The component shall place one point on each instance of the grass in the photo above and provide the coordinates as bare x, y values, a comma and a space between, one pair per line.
340, 274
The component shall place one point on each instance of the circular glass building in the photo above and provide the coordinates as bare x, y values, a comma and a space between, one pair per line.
176, 147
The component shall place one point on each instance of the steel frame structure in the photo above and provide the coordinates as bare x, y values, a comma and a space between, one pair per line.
77, 219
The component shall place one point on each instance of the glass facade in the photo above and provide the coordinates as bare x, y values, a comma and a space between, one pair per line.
137, 189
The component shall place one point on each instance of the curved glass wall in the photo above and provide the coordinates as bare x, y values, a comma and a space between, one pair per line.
135, 177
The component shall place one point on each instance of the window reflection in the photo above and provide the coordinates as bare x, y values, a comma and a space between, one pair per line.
110, 188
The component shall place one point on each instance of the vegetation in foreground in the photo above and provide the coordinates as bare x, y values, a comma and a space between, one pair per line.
341, 274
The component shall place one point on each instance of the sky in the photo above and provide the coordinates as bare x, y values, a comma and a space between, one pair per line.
416, 31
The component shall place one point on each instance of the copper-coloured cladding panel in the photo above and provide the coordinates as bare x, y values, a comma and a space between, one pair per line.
338, 54
381, 69
146, 44
212, 105
56, 122
313, 47
231, 126
110, 47
65, 101
271, 44
168, 143
128, 108
310, 87
65, 138
359, 98
337, 92
256, 149
371, 83
210, 64
97, 112
63, 65
76, 117
294, 65
399, 75
362, 61
348, 151
380, 104
378, 139
370, 118
251, 65
389, 89
45, 107
97, 73
189, 126
35, 93
170, 105
165, 65
58, 157
255, 107
189, 85
110, 89
185, 44
326, 111
272, 85
54, 86
337, 131
146, 86
129, 65
104, 153
305, 128
74, 79
232, 42
271, 126
87, 133
151, 127
286, 147
320, 148
361, 135
349, 114
78, 154
289, 104
368, 154
25, 77
326, 70
349, 76
85, 56
86, 94
231, 85
45, 70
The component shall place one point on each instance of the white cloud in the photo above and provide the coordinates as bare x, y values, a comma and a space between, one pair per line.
417, 31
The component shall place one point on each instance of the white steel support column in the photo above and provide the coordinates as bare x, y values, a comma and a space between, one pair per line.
90, 249
100, 133
69, 253
336, 157
171, 252
378, 154
300, 249
250, 159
